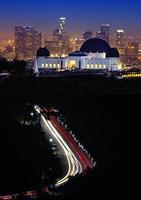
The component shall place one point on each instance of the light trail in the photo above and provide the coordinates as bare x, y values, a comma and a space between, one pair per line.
77, 161
64, 149
131, 75
86, 162
74, 167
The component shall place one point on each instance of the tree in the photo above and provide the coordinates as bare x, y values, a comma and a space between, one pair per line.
17, 66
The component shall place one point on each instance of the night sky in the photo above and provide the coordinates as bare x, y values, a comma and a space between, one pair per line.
81, 15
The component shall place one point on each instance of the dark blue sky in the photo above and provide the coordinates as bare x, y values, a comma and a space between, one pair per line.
81, 14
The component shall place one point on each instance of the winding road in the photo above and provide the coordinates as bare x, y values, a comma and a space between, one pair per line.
78, 161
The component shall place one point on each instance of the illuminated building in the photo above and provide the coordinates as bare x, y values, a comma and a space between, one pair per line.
105, 32
59, 44
7, 49
57, 35
9, 52
75, 44
62, 26
120, 42
63, 38
139, 56
52, 46
27, 42
132, 51
98, 34
87, 35
79, 43
72, 44
95, 54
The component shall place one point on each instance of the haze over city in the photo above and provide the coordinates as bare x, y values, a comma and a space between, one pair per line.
81, 15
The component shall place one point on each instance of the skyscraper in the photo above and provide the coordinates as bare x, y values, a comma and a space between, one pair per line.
120, 41
105, 32
98, 34
63, 38
62, 26
87, 35
27, 42
19, 42
56, 35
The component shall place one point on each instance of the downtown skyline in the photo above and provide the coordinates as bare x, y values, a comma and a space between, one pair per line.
81, 16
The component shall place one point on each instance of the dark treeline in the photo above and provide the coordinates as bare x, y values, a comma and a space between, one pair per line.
12, 66
56, 89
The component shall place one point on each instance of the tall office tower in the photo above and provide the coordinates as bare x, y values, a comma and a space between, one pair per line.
105, 32
19, 42
27, 42
120, 42
63, 38
56, 35
87, 35
37, 40
98, 34
62, 26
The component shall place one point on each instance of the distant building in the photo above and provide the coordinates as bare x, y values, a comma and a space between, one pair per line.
9, 53
62, 26
56, 35
94, 54
8, 50
52, 46
87, 35
132, 51
27, 42
98, 34
105, 32
59, 45
120, 42
63, 40
75, 44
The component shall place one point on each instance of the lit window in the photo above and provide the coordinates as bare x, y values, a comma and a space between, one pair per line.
72, 64
120, 67
43, 65
58, 65
88, 66
96, 66
104, 66
46, 65
54, 65
100, 66
63, 55
50, 65
92, 66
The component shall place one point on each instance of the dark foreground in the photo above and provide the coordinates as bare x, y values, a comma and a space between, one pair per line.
108, 125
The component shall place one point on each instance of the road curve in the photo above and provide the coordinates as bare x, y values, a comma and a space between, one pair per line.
78, 161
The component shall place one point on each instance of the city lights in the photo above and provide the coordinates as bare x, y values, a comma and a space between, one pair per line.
28, 40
